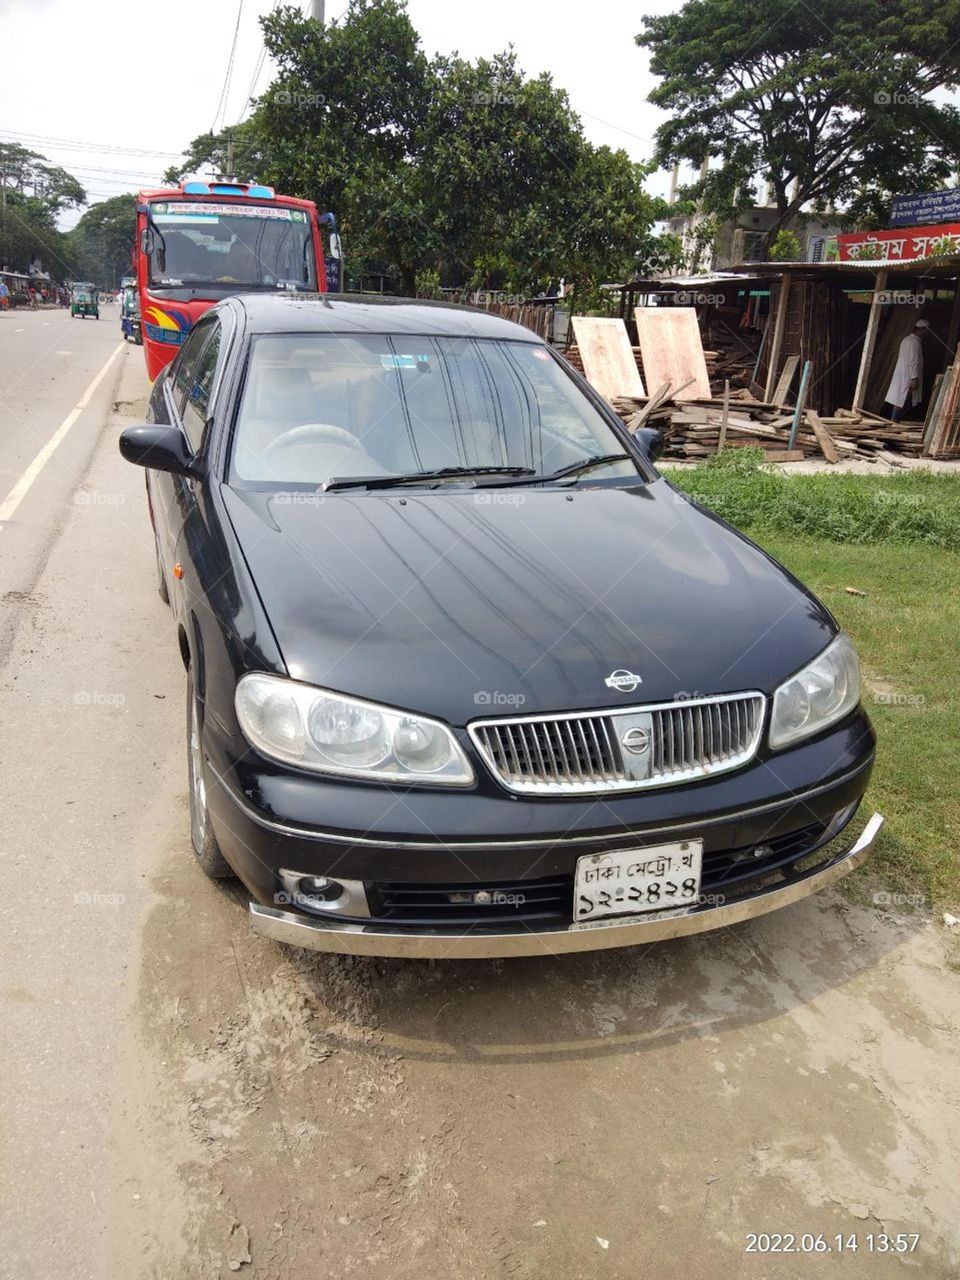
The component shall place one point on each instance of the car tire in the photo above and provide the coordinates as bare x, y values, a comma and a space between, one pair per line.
204, 842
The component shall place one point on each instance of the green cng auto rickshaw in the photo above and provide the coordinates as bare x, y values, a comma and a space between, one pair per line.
83, 300
130, 310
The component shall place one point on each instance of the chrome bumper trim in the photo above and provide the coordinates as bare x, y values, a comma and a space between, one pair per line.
370, 940
609, 836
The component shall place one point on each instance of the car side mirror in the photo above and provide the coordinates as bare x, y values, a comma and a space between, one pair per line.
650, 443
159, 448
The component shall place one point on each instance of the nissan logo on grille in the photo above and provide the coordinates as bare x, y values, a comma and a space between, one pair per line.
636, 740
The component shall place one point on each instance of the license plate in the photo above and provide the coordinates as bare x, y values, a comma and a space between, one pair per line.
629, 882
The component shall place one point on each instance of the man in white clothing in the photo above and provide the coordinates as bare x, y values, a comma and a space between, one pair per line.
906, 385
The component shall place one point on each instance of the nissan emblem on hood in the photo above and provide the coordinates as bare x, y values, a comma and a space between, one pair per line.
625, 681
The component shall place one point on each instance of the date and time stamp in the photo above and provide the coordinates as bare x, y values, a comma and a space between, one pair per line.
877, 1242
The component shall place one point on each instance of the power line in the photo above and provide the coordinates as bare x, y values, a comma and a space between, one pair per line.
221, 105
261, 58
68, 144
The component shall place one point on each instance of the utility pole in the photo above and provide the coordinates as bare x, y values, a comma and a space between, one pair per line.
230, 173
316, 10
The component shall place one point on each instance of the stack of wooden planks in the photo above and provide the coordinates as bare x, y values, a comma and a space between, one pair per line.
692, 429
941, 430
697, 422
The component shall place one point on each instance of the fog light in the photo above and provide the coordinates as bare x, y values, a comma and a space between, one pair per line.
320, 888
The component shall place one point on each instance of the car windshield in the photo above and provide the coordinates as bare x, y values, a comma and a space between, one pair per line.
318, 408
246, 245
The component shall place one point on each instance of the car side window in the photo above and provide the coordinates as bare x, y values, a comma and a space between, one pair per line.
193, 411
181, 371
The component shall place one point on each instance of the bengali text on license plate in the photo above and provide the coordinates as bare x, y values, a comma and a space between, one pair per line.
626, 882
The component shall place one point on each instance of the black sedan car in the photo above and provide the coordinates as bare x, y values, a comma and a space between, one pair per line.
466, 676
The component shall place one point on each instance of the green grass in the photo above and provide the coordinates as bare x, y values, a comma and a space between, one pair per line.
897, 539
907, 629
916, 508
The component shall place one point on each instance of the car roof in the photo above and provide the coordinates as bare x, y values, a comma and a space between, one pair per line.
363, 313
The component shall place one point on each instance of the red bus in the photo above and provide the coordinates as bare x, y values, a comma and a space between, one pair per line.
201, 241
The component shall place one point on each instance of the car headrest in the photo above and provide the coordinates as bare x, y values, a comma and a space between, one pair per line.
284, 394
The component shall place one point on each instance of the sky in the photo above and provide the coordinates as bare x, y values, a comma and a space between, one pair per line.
89, 101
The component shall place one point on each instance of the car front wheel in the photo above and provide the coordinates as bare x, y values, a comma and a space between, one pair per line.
204, 841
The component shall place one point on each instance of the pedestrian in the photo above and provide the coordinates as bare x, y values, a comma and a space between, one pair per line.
4, 295
906, 385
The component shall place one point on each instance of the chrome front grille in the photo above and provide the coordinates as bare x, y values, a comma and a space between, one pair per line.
621, 750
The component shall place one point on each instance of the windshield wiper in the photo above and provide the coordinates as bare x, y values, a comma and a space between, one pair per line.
577, 468
418, 477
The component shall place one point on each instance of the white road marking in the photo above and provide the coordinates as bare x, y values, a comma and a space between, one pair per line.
18, 331
24, 484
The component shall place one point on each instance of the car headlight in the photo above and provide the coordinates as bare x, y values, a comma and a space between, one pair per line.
823, 692
330, 733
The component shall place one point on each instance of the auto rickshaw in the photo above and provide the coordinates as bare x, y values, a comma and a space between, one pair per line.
130, 310
83, 300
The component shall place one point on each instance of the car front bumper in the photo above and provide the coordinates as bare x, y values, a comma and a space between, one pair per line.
769, 833
472, 944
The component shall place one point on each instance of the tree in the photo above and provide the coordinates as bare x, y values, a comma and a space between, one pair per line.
32, 193
467, 168
831, 103
101, 244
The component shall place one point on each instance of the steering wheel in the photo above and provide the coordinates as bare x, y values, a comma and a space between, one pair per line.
318, 432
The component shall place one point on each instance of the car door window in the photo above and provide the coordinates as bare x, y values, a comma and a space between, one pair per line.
193, 410
182, 369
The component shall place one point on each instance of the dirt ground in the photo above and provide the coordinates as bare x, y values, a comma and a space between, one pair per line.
185, 1099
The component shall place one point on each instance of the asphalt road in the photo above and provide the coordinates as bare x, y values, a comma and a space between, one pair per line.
182, 1099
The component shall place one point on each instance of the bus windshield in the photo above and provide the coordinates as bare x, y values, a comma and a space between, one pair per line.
251, 246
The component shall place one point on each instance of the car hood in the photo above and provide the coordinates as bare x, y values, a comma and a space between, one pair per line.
516, 601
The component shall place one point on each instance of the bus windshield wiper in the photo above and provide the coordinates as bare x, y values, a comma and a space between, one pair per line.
420, 477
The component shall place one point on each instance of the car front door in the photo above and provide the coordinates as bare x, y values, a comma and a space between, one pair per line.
185, 398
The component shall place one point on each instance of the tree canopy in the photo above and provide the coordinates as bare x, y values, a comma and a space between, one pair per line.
468, 168
101, 244
833, 103
34, 192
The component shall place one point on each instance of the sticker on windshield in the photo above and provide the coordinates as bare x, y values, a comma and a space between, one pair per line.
404, 362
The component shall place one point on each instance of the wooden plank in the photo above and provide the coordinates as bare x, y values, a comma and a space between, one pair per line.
656, 400
824, 439
784, 455
869, 340
672, 350
721, 440
608, 360
801, 400
782, 389
777, 341
930, 420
